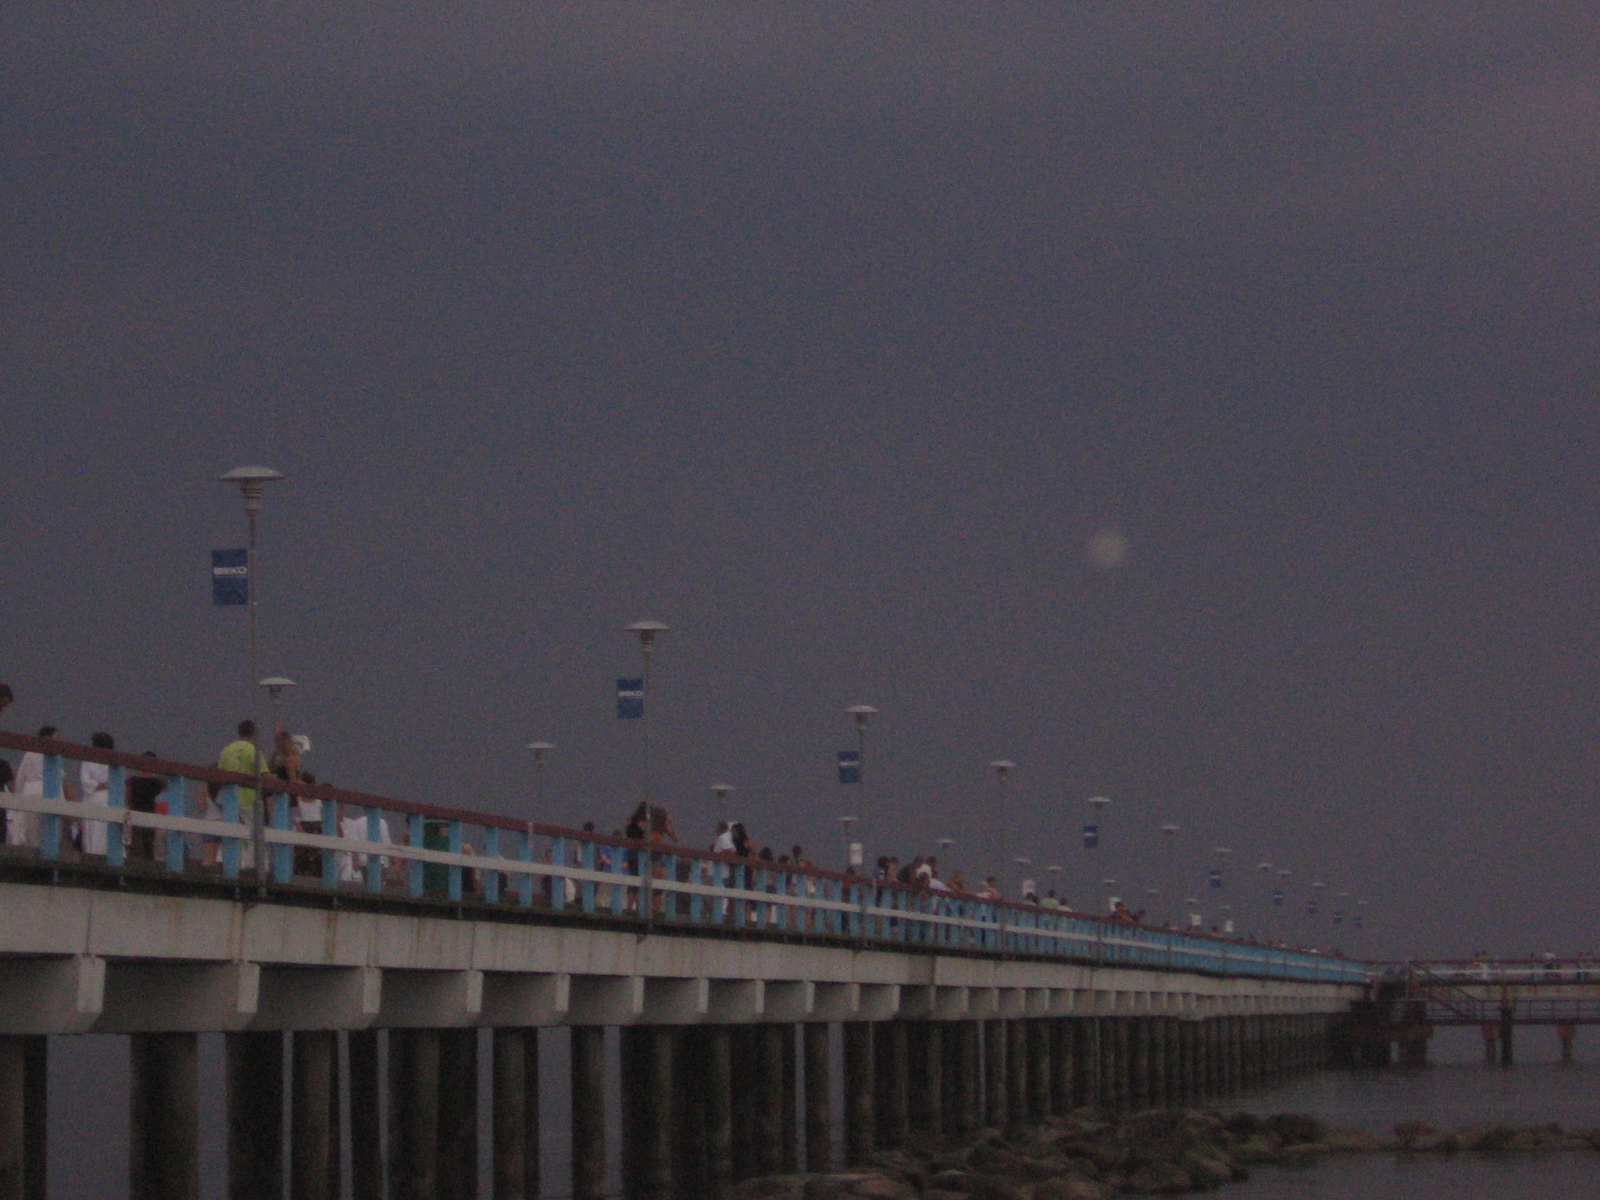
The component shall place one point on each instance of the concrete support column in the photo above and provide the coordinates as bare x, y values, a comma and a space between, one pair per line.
689, 1108
1060, 1066
366, 1163
963, 1086
1086, 1053
414, 1114
254, 1071
1039, 1070
458, 1114
164, 1124
13, 1118
516, 1114
588, 1112
1106, 1043
719, 1111
994, 1073
24, 1067
859, 1131
891, 1078
818, 1128
1156, 1051
1122, 1031
791, 1111
1017, 1071
747, 1097
315, 1059
1138, 1063
647, 1111
928, 1077
771, 1105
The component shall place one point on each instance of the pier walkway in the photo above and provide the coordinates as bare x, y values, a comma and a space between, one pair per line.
325, 923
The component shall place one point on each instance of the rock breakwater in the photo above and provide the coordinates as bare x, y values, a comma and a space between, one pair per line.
1161, 1152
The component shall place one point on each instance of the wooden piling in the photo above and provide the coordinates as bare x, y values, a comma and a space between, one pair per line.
164, 1117
588, 1112
254, 1073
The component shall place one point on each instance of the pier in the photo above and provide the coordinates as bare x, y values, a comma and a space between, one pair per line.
373, 958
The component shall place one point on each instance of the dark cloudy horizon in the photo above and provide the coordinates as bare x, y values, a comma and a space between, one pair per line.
1192, 403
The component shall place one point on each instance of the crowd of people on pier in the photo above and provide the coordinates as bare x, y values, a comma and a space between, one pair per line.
649, 824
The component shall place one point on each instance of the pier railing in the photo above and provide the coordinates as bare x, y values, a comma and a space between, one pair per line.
318, 838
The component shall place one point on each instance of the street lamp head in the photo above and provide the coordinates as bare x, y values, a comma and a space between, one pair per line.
276, 685
848, 822
646, 631
540, 749
1222, 851
1054, 869
1264, 867
1099, 801
251, 480
721, 790
1319, 886
1170, 830
861, 712
1284, 872
1002, 767
946, 842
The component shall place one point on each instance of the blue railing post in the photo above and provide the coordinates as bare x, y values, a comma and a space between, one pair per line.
525, 880
177, 804
589, 886
116, 835
282, 856
455, 871
374, 862
415, 832
670, 897
330, 858
558, 885
619, 893
491, 878
228, 799
696, 900
50, 824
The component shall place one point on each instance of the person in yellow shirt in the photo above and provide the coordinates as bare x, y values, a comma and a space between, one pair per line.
245, 758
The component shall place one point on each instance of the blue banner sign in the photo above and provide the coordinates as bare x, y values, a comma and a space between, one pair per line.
1091, 836
630, 699
230, 577
849, 766
1216, 877
1277, 898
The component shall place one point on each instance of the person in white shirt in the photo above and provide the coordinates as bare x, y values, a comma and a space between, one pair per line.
94, 779
353, 825
22, 828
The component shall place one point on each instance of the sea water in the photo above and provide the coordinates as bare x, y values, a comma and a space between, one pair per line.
1457, 1089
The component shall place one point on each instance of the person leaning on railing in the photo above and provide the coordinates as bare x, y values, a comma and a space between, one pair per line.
242, 757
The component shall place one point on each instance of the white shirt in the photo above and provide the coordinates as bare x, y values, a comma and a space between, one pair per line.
724, 843
30, 774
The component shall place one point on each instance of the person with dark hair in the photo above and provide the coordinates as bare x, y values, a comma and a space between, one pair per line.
5, 696
143, 789
95, 781
243, 757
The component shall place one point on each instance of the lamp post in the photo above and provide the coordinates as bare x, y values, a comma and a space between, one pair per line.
1054, 871
541, 751
852, 848
1091, 831
275, 686
1022, 861
1002, 768
861, 714
646, 632
252, 482
1169, 838
1192, 903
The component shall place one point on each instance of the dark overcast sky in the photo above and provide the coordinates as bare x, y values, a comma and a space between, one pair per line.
831, 334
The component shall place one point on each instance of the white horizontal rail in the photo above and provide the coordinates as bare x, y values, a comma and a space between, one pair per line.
866, 915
